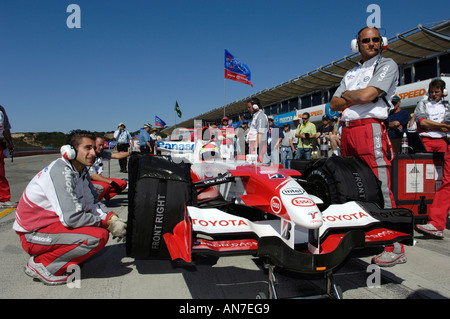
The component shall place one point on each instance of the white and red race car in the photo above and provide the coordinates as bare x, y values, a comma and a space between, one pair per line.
179, 208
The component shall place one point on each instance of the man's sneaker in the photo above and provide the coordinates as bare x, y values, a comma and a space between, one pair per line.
429, 229
389, 258
38, 271
8, 204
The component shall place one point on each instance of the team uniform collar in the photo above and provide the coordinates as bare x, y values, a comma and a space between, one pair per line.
370, 62
69, 163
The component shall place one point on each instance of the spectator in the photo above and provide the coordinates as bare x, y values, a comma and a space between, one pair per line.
123, 138
155, 138
257, 135
397, 123
106, 188
324, 130
241, 137
226, 138
274, 137
336, 136
287, 146
306, 134
398, 119
58, 219
6, 146
324, 133
145, 140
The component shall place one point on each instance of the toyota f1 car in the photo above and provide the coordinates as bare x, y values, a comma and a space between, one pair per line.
180, 208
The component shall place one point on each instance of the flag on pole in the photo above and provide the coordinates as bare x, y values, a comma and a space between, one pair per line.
236, 70
159, 122
177, 109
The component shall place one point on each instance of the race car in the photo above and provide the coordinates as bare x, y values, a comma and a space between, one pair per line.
205, 205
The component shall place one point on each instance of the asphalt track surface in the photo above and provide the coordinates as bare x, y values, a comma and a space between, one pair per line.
112, 275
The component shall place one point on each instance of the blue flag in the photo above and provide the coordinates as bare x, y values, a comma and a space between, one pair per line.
236, 70
159, 122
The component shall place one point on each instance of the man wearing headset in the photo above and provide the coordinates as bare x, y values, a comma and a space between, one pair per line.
58, 219
363, 97
257, 134
433, 117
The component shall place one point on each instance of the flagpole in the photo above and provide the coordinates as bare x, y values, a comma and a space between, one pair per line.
224, 95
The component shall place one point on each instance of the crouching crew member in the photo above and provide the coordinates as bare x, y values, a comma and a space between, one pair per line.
58, 219
106, 188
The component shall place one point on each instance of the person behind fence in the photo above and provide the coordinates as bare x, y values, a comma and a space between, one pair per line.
363, 96
433, 116
306, 134
58, 219
106, 187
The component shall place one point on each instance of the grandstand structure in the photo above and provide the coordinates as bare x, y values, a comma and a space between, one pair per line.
421, 53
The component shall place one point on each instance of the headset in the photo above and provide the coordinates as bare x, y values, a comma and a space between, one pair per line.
354, 44
68, 152
443, 85
255, 103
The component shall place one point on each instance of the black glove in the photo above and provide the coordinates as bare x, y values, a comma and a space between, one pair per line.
116, 186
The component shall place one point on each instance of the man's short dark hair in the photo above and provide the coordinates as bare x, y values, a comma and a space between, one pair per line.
256, 101
75, 136
437, 83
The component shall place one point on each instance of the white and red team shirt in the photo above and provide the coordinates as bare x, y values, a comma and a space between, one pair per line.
378, 72
436, 111
59, 193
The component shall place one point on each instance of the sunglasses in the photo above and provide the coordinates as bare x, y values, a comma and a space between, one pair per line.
374, 40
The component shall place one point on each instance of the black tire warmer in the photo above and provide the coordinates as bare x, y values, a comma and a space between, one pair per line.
342, 179
158, 191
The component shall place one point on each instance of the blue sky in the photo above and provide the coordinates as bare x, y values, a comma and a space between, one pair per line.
132, 60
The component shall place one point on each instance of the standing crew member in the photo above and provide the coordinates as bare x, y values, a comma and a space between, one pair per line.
437, 216
58, 219
6, 143
433, 118
363, 97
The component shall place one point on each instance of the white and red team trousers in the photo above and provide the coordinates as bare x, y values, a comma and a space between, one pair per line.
364, 135
58, 219
441, 203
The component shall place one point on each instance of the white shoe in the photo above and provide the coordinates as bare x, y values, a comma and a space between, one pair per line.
8, 204
38, 271
429, 229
